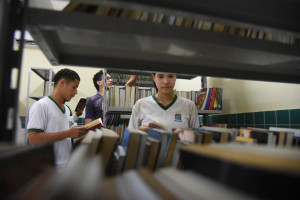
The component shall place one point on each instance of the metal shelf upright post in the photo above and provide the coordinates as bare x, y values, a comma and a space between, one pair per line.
47, 74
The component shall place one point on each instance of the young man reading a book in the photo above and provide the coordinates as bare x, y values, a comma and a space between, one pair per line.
49, 117
93, 109
165, 107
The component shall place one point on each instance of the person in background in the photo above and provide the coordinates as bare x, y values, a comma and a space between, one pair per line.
132, 80
93, 109
165, 107
49, 117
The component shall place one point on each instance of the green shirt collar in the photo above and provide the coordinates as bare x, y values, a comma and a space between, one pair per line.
162, 106
63, 111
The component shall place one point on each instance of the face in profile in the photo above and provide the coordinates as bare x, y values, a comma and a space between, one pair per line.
109, 82
69, 89
164, 82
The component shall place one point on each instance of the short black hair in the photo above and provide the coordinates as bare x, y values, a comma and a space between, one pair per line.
67, 74
154, 83
97, 77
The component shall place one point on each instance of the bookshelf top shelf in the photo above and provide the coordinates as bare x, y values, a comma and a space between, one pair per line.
81, 39
44, 73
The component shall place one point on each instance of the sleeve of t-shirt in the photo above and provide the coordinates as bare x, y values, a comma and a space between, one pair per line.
194, 121
89, 109
37, 119
134, 118
73, 118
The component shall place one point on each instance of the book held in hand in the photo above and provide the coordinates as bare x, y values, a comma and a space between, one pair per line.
157, 124
96, 124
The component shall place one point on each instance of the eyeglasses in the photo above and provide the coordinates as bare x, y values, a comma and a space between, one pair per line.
108, 78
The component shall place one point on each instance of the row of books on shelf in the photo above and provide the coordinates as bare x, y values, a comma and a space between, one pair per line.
212, 171
210, 99
132, 148
188, 22
158, 148
142, 80
192, 95
274, 136
216, 133
126, 97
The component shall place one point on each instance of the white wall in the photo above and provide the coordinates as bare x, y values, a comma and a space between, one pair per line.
188, 85
239, 95
33, 57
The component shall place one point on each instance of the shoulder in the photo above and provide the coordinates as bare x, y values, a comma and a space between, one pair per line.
143, 103
94, 98
144, 100
42, 102
41, 105
184, 100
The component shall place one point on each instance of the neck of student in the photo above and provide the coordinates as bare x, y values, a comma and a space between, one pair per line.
165, 98
58, 100
101, 91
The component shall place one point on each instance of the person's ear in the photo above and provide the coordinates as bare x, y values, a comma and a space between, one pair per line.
153, 77
62, 82
99, 83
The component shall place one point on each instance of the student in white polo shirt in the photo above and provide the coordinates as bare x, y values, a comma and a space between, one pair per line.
49, 117
165, 106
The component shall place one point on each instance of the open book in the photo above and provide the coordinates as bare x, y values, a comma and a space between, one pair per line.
157, 124
96, 124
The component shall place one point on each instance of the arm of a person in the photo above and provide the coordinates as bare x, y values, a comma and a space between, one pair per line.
36, 137
73, 118
89, 111
134, 121
131, 80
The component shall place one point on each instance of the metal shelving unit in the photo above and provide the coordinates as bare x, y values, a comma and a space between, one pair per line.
47, 75
80, 39
83, 39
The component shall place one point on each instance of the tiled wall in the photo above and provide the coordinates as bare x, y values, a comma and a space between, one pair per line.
264, 119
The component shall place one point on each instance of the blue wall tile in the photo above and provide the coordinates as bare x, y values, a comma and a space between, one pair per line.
270, 117
259, 118
232, 119
225, 119
240, 118
295, 116
276, 118
248, 118
282, 116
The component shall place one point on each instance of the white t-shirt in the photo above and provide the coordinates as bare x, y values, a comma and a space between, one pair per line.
180, 113
46, 116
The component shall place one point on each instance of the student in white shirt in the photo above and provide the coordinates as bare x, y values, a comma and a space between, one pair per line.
165, 106
49, 117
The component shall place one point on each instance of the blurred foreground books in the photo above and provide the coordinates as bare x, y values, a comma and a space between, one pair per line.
155, 165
